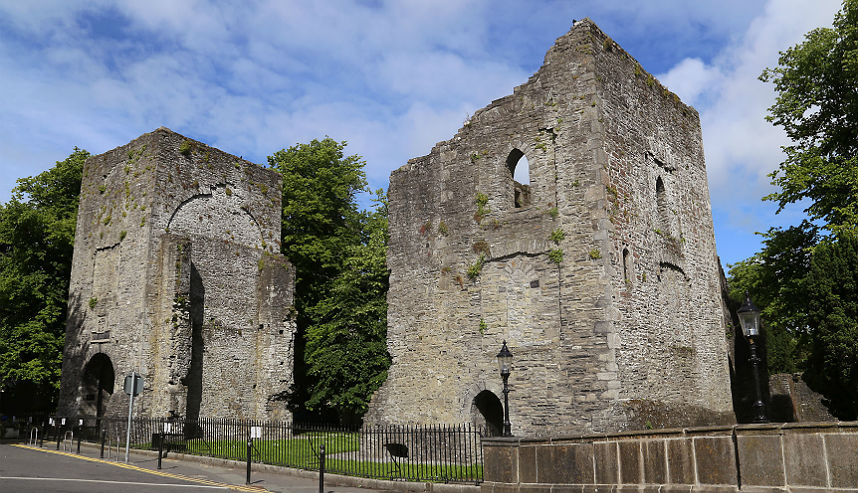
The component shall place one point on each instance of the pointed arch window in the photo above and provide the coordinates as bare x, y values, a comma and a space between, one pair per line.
519, 174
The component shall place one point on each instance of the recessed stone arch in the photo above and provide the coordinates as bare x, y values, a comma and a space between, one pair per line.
217, 215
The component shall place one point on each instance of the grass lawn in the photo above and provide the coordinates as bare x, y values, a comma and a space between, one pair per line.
342, 452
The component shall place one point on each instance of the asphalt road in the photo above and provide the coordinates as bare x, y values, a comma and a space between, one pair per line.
23, 470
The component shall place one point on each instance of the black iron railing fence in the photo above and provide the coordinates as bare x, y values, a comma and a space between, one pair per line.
440, 453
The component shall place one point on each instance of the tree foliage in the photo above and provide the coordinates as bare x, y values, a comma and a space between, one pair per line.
832, 287
817, 105
775, 277
37, 228
805, 279
341, 286
346, 350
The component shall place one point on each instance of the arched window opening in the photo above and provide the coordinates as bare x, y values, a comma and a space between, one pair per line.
519, 171
627, 267
663, 209
97, 384
488, 412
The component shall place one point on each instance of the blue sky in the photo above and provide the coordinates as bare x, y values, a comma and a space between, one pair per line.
390, 77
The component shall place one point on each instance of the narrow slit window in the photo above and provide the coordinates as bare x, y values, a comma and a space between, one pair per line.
662, 207
627, 268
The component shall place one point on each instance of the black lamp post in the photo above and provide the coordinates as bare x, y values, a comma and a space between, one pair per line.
505, 363
749, 317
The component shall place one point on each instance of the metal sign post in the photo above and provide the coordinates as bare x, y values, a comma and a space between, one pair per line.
133, 386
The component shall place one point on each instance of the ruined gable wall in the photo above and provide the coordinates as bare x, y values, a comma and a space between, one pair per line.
672, 355
190, 288
547, 312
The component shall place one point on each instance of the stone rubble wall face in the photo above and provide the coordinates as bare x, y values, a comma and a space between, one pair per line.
580, 338
185, 276
669, 320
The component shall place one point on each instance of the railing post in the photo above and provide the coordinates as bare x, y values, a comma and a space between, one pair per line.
160, 449
249, 447
322, 468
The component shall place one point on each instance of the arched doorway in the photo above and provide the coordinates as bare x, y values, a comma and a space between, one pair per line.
97, 385
487, 411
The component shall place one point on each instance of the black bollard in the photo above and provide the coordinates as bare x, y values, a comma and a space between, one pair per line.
79, 436
103, 439
59, 437
249, 447
160, 449
322, 468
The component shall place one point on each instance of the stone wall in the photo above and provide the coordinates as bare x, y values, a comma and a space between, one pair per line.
601, 274
765, 458
790, 399
175, 276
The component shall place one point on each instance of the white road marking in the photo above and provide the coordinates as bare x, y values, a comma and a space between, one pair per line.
104, 481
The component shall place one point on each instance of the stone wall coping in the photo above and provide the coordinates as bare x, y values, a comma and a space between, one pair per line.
740, 429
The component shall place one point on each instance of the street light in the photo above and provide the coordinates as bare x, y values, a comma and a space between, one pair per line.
749, 318
505, 364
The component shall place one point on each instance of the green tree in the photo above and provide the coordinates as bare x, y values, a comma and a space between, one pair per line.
775, 278
832, 285
346, 350
817, 105
37, 228
339, 291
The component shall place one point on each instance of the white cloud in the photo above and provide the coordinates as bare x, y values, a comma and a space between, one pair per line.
741, 146
392, 77
691, 78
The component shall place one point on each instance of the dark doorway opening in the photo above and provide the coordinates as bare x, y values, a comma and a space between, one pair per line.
487, 411
97, 384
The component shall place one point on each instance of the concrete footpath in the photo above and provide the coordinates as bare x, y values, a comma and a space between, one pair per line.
263, 476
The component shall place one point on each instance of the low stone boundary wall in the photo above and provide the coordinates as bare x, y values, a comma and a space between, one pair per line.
753, 458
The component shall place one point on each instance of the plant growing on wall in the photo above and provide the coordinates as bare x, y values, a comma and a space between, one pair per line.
474, 269
482, 201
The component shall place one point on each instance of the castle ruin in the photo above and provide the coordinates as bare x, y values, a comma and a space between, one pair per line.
600, 273
177, 275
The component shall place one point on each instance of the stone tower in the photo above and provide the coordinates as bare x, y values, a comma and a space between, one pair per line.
175, 276
600, 273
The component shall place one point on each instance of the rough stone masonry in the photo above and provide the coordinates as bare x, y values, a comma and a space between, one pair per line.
175, 276
601, 273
